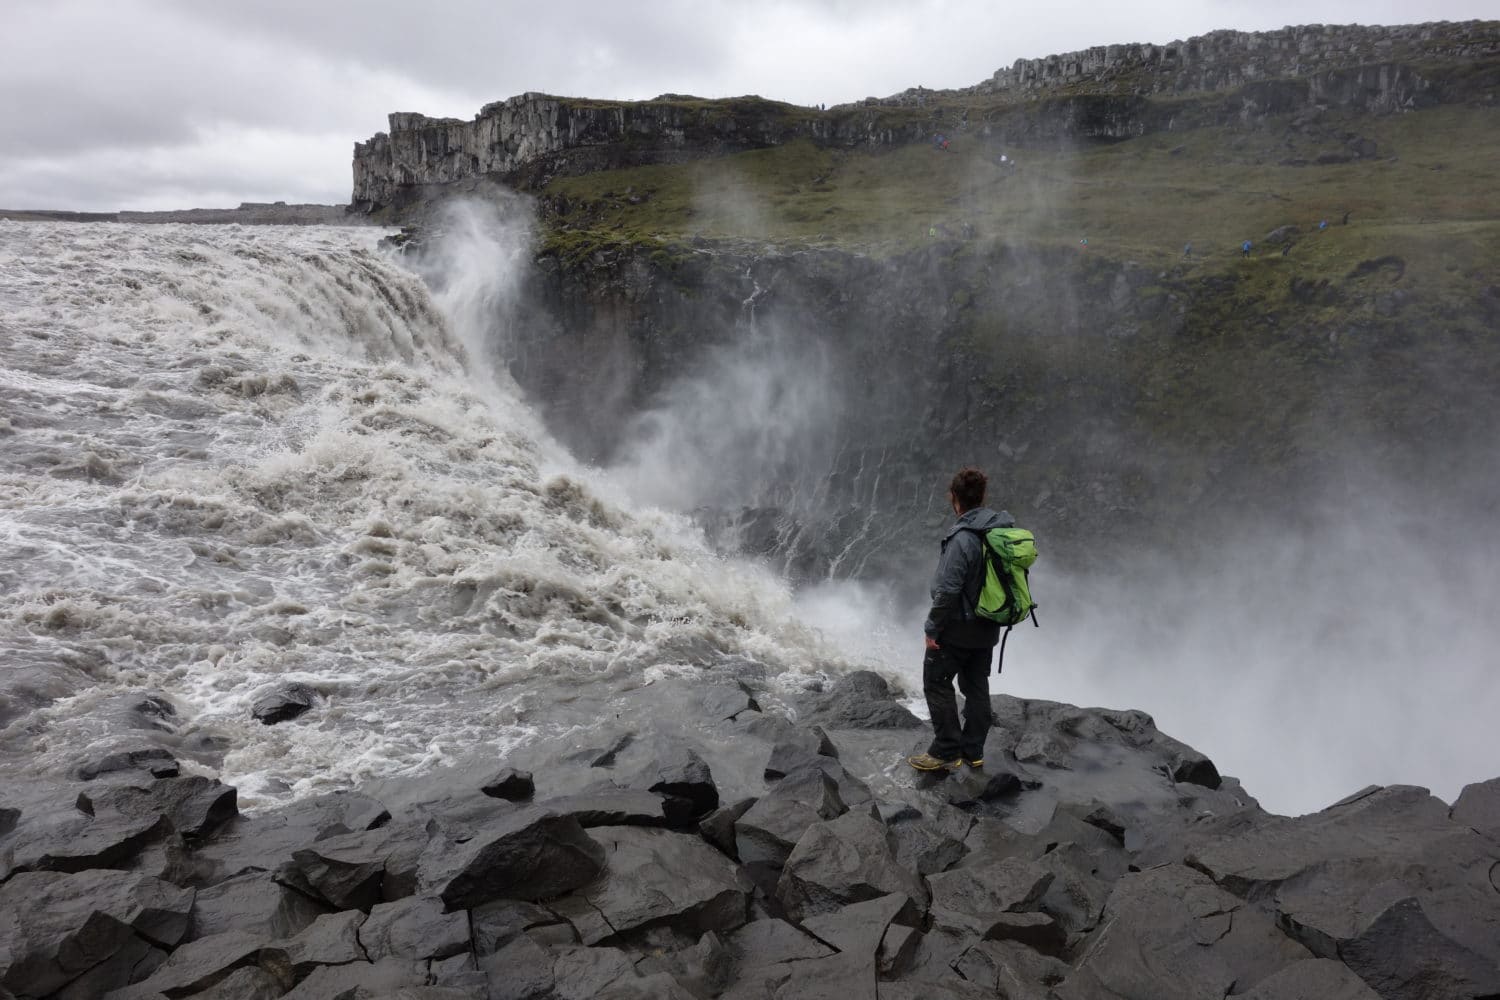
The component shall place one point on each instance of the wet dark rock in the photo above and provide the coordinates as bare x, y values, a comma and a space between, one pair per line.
244, 984
678, 772
496, 924
1314, 979
765, 835
621, 807
358, 870
520, 970
655, 878
586, 973
55, 835
725, 702
416, 928
197, 965
1328, 875
858, 928
718, 826
510, 784
1037, 931
1106, 819
56, 927
603, 756
1477, 806
136, 960
1402, 956
195, 806
1011, 970
1171, 933
254, 902
266, 842
972, 899
846, 860
799, 751
332, 939
771, 942
1192, 767
286, 702
155, 761
8, 820
703, 969
530, 854
360, 980
861, 700
930, 845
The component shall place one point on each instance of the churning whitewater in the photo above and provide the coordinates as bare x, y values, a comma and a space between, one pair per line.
233, 458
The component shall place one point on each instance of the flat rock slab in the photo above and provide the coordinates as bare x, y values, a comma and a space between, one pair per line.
860, 700
197, 965
657, 878
1315, 979
265, 843
1171, 934
56, 927
256, 902
414, 928
332, 939
766, 834
973, 899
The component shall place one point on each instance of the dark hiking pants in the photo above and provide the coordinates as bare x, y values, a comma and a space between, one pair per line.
972, 669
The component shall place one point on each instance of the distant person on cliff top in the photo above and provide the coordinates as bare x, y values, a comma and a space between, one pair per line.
1187, 251
1245, 249
960, 644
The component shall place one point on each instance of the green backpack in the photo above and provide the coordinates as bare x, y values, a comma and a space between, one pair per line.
1005, 593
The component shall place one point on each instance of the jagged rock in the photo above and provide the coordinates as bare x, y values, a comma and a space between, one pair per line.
700, 970
196, 806
9, 818
678, 772
496, 924
603, 756
1037, 931
55, 927
521, 970
197, 965
770, 942
725, 702
861, 700
930, 845
1011, 970
660, 986
359, 980
155, 761
244, 984
858, 929
286, 702
1315, 979
358, 870
800, 750
59, 837
621, 807
842, 861
972, 899
414, 928
1402, 956
332, 939
718, 826
1478, 806
585, 973
510, 784
529, 854
765, 835
266, 842
1171, 933
1327, 875
253, 902
898, 949
657, 878
1105, 818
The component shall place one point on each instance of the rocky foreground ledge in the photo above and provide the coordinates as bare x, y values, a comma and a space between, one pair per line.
1094, 857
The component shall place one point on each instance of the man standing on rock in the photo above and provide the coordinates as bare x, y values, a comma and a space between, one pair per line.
959, 643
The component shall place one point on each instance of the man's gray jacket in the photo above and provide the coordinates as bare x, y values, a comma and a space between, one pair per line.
956, 584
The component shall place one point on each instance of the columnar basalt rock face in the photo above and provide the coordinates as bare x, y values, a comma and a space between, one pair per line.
1225, 59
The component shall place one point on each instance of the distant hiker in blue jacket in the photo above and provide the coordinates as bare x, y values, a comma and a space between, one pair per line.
1245, 249
959, 644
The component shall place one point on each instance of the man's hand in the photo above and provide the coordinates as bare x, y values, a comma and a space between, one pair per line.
931, 642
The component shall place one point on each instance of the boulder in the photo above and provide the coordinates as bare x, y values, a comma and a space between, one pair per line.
253, 902
678, 772
657, 878
859, 928
195, 806
1328, 875
265, 842
771, 942
930, 844
414, 928
510, 784
1171, 933
972, 899
56, 927
1011, 970
286, 701
520, 970
531, 853
841, 861
765, 835
799, 750
56, 836
1037, 931
620, 807
718, 826
361, 980
157, 762
585, 973
496, 924
860, 700
197, 965
251, 983
332, 939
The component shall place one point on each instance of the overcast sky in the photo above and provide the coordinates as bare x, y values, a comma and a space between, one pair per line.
142, 104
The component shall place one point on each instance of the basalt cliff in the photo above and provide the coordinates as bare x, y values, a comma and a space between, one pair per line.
1166, 291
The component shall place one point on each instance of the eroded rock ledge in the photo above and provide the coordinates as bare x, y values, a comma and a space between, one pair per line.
1094, 857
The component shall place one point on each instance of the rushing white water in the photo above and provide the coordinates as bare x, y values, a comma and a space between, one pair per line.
235, 457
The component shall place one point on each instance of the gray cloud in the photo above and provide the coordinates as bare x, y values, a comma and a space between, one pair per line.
175, 91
